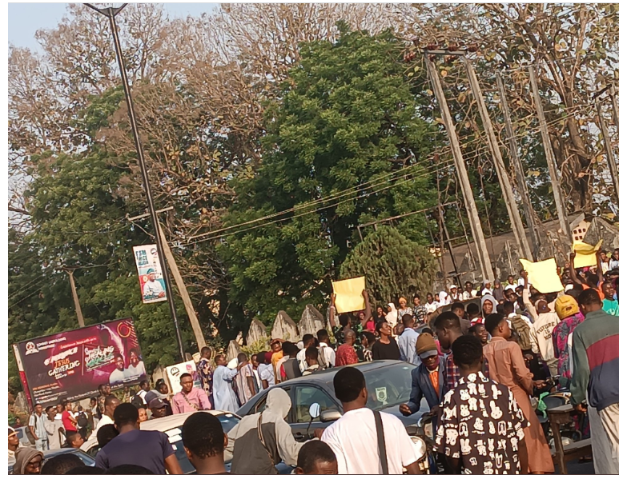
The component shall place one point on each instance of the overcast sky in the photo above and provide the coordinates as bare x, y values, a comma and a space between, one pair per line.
26, 18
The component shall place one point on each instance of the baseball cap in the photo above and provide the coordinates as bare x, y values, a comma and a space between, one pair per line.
425, 346
156, 404
566, 306
150, 396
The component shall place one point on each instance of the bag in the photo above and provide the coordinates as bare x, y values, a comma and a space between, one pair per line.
522, 329
380, 436
82, 420
29, 435
261, 435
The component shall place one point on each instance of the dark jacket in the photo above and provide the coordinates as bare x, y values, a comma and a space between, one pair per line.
421, 386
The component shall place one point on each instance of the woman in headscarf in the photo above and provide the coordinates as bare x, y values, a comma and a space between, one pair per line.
28, 460
488, 305
261, 440
392, 316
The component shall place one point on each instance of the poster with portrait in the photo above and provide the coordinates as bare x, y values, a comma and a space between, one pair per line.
152, 284
174, 372
71, 365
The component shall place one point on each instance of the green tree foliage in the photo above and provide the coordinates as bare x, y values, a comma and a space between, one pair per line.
393, 265
345, 129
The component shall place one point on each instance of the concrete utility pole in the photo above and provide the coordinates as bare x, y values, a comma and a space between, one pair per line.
507, 190
614, 173
519, 175
551, 159
466, 189
74, 293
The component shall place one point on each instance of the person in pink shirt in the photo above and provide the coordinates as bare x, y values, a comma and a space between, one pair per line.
189, 399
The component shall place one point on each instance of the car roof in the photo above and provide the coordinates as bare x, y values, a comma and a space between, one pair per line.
58, 451
175, 420
326, 376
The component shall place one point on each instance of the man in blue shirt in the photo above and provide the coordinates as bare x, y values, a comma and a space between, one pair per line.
407, 341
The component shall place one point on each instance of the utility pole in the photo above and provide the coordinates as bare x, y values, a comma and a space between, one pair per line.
519, 175
551, 159
614, 173
615, 106
111, 13
507, 191
450, 248
74, 293
470, 204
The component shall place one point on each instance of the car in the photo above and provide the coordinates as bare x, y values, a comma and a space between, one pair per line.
22, 436
388, 383
47, 455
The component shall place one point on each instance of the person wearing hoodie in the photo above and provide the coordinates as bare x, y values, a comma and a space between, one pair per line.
488, 305
541, 335
262, 440
28, 461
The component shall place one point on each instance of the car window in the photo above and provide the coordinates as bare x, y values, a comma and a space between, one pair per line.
388, 386
305, 396
260, 406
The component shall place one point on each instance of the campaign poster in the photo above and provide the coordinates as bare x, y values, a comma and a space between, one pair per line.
153, 288
71, 365
174, 372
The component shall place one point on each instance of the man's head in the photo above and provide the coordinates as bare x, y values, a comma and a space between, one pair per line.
448, 328
308, 340
74, 439
345, 320
144, 385
142, 414
467, 354
508, 307
162, 387
429, 298
158, 408
13, 439
311, 355
367, 339
60, 406
220, 360
105, 434
511, 279
38, 409
254, 361
104, 389
458, 308
316, 458
473, 311
126, 415
134, 357
93, 402
469, 286
615, 254
290, 349
497, 326
608, 290
186, 381
542, 307
478, 330
51, 412
110, 404
497, 284
206, 353
61, 464
350, 387
204, 440
416, 300
242, 358
119, 362
589, 301
426, 348
275, 346
407, 321
510, 295
350, 337
487, 305
323, 336
268, 357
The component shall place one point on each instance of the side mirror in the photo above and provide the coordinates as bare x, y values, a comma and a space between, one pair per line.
330, 415
314, 410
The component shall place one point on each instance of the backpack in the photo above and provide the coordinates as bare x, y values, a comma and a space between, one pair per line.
522, 329
82, 420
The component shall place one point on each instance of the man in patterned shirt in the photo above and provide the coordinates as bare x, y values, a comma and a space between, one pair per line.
481, 428
448, 329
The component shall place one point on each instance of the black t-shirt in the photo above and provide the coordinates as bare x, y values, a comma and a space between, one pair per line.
389, 351
144, 448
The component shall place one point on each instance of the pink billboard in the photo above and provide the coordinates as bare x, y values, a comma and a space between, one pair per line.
71, 365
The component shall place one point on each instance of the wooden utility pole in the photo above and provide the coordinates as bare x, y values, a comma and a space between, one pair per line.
470, 204
615, 106
551, 159
507, 190
74, 293
450, 248
614, 173
522, 190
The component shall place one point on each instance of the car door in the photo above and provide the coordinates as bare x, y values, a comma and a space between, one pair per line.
303, 396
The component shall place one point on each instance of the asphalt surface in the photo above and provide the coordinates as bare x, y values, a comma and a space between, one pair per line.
576, 468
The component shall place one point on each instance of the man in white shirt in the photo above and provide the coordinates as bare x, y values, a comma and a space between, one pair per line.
308, 340
37, 428
431, 304
357, 429
511, 284
152, 288
325, 350
110, 404
54, 428
265, 371
118, 375
614, 261
469, 293
541, 335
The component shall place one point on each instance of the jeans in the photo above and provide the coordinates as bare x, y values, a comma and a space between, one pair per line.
42, 445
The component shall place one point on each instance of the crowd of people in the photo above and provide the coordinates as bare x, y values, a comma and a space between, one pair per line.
480, 357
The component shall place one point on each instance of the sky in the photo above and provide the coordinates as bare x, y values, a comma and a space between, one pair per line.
26, 18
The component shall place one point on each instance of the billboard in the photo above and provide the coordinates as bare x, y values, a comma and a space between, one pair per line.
71, 365
153, 288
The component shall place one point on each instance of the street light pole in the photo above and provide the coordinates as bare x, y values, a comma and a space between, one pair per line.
111, 12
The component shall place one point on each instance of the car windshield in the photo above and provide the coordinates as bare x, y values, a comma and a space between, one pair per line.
388, 386
228, 421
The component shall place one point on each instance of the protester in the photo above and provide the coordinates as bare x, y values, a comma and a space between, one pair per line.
403, 308
190, 398
482, 427
82, 422
28, 461
54, 428
145, 388
610, 305
205, 371
357, 428
407, 341
13, 444
488, 305
104, 390
541, 335
308, 340
346, 354
224, 396
596, 379
486, 289
290, 366
265, 370
277, 353
498, 291
37, 428
106, 434
149, 449
367, 342
259, 441
316, 458
569, 313
469, 293
431, 305
110, 404
61, 464
507, 367
385, 347
614, 261
479, 331
326, 357
204, 443
473, 314
511, 285
74, 439
458, 308
425, 380
69, 422
419, 311
454, 294
311, 360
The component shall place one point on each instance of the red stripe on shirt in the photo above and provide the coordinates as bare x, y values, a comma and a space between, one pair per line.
603, 351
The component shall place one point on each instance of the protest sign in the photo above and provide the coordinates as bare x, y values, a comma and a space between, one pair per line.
585, 254
348, 294
543, 275
174, 372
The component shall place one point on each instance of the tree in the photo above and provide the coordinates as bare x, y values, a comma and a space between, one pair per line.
393, 265
344, 129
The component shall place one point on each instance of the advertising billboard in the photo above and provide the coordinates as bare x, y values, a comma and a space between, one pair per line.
71, 365
153, 288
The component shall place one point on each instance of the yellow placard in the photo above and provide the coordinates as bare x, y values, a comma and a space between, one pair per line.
543, 275
348, 294
585, 254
